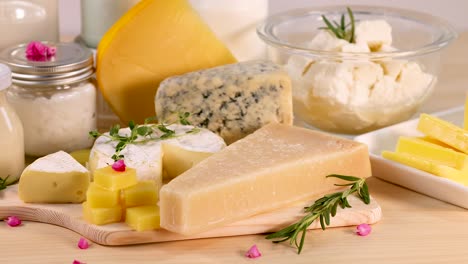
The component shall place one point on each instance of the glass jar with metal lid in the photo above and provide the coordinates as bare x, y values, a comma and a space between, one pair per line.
55, 98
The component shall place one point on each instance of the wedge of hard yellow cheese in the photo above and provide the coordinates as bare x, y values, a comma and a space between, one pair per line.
271, 168
154, 40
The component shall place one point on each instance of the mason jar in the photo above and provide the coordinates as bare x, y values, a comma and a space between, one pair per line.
54, 98
11, 134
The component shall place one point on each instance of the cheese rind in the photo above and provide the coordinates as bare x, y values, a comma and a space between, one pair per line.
444, 131
232, 100
271, 168
55, 178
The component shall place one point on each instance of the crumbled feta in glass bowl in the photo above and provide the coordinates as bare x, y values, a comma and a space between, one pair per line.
378, 77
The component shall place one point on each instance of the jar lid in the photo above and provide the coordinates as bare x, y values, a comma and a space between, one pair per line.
5, 77
71, 63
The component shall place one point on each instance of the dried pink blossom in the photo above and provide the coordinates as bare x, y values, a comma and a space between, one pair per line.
13, 221
253, 252
37, 51
363, 229
83, 243
119, 165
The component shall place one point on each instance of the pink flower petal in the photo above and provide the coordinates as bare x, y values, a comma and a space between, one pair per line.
83, 243
37, 51
78, 262
119, 165
363, 229
51, 51
253, 252
13, 221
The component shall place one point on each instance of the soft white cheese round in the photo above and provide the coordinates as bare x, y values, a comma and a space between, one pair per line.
147, 157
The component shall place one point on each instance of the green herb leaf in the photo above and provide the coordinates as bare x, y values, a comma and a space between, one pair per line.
144, 130
183, 118
322, 209
131, 124
94, 134
150, 119
142, 133
344, 177
351, 17
3, 183
340, 30
114, 130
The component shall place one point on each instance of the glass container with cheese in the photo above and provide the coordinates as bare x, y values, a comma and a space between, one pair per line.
55, 97
360, 69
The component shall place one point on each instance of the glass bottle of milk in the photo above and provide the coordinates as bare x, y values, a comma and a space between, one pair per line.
235, 22
26, 20
11, 133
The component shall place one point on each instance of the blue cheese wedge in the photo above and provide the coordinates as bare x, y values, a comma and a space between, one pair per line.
55, 178
232, 100
154, 158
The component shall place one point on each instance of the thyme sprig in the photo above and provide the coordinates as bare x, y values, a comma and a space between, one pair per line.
143, 133
4, 184
342, 30
322, 209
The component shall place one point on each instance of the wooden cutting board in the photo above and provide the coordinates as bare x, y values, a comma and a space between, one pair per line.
70, 216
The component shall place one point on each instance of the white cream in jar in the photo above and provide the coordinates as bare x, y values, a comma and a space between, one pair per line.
55, 99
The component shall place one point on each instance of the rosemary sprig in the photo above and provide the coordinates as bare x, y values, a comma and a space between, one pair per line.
322, 209
142, 133
342, 30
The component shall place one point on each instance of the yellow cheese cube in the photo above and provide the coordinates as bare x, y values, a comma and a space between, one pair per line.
431, 151
98, 197
152, 41
429, 166
142, 218
113, 180
143, 193
444, 131
102, 216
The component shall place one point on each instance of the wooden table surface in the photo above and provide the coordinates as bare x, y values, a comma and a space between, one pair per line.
415, 228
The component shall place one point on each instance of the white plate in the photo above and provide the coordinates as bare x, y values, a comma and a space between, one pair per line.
414, 179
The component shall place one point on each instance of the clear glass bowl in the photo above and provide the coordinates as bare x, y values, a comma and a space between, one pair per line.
327, 85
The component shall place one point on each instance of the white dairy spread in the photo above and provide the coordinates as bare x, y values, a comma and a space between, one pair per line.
352, 96
56, 120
